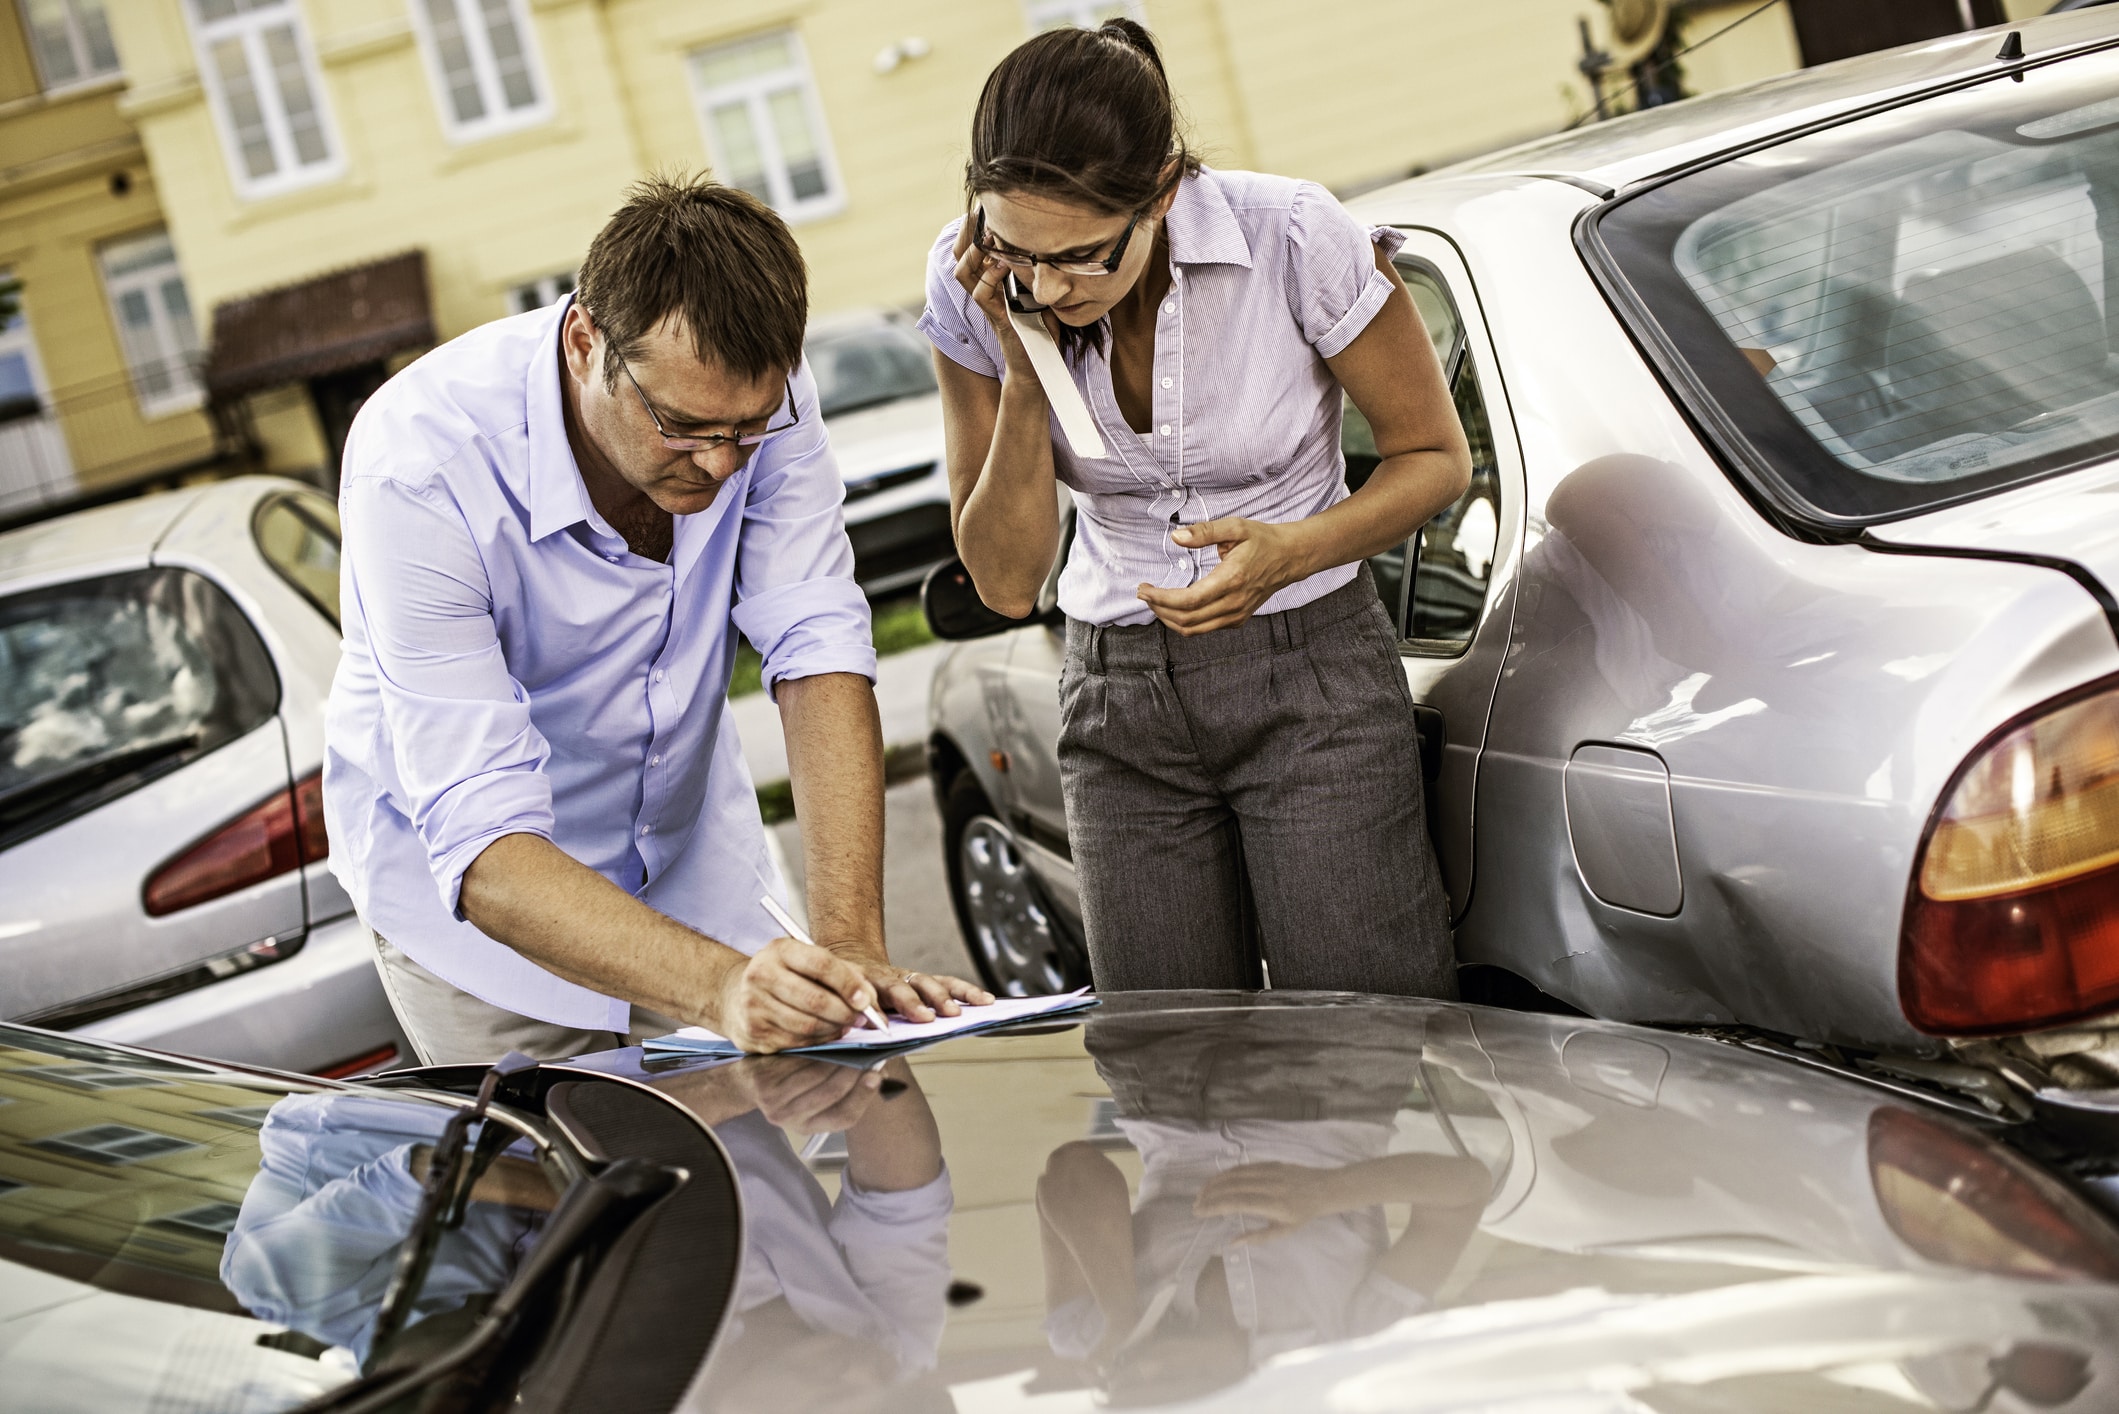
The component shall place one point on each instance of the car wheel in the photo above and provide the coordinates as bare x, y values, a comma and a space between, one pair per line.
1017, 942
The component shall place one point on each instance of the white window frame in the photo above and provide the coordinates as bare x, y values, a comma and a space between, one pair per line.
754, 92
478, 41
1042, 15
249, 28
76, 41
185, 392
542, 292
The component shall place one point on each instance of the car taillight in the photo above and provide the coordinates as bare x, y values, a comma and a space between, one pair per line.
1964, 1201
281, 832
2012, 920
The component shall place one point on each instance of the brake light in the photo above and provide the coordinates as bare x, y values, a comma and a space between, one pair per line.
1966, 1202
2012, 920
280, 833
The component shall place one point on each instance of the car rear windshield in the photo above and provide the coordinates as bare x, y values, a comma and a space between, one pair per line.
868, 366
106, 683
1901, 311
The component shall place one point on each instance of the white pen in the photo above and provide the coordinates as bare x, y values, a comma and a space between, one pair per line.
794, 930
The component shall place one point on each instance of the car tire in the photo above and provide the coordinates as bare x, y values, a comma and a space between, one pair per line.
1017, 941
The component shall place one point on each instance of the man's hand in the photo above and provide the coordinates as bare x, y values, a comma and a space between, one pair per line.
1286, 1195
791, 994
1258, 560
920, 996
807, 1096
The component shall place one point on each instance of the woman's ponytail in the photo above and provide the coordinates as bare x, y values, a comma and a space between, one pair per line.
1133, 33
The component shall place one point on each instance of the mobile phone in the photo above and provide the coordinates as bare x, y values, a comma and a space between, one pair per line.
1018, 298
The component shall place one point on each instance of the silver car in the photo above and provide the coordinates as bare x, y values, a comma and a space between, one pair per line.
883, 413
1767, 673
163, 669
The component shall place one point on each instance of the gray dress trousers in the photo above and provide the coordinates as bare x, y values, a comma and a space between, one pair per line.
1252, 792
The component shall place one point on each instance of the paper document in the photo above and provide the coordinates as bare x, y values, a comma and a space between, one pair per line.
698, 1040
1060, 392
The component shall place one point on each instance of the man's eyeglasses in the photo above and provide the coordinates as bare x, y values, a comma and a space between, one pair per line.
712, 439
1023, 263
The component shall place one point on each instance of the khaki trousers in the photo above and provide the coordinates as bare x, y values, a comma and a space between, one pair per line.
449, 1026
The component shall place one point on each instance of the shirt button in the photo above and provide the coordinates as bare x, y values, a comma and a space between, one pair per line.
612, 558
1165, 429
1168, 381
655, 760
1170, 306
659, 675
647, 829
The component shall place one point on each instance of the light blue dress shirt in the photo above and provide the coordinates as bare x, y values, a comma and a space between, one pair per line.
1269, 277
510, 667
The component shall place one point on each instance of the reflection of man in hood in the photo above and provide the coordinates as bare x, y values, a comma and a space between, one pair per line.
1267, 1149
338, 1187
841, 1300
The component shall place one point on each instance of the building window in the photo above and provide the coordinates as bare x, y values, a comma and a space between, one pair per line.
255, 59
764, 127
539, 293
1082, 14
113, 1144
34, 465
155, 327
483, 60
71, 39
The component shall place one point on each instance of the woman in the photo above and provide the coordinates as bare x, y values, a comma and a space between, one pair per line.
1237, 749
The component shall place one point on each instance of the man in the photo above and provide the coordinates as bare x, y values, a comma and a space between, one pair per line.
552, 526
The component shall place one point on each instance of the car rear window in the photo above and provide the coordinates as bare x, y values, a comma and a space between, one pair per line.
1902, 311
107, 683
869, 366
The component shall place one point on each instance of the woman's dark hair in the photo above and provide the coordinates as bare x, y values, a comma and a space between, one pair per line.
1085, 116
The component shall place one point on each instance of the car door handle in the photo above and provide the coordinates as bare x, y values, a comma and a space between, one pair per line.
1428, 724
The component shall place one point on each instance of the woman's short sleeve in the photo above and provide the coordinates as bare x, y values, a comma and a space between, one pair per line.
951, 322
1334, 287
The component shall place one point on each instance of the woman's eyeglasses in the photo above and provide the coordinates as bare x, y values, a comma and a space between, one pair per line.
1023, 263
712, 439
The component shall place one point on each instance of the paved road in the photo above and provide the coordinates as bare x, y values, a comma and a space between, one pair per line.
922, 926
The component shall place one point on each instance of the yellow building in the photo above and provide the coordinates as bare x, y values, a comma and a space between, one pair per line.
451, 158
98, 365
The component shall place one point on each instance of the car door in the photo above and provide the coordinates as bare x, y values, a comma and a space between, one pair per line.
1026, 718
144, 792
1453, 612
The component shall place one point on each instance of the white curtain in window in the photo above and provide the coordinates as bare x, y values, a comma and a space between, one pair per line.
155, 325
764, 125
483, 66
71, 39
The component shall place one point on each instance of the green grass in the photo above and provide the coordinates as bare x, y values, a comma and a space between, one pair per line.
899, 625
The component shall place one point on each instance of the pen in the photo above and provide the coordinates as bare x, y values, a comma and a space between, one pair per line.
794, 930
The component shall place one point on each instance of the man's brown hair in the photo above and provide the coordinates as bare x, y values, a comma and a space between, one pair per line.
713, 256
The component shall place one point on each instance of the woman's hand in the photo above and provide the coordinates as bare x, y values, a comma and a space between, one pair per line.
981, 276
1286, 1196
1258, 560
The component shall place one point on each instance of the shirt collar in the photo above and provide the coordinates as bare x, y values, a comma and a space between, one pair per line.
557, 497
1202, 228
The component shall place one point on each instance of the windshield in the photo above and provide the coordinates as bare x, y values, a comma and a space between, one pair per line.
178, 1237
864, 367
1905, 310
105, 683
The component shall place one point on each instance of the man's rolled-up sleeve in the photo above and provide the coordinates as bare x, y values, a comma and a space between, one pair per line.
469, 760
796, 600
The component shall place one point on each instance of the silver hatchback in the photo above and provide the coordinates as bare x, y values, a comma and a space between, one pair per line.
163, 669
1767, 673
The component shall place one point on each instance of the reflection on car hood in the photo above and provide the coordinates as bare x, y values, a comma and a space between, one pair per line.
2073, 518
1286, 1202
907, 432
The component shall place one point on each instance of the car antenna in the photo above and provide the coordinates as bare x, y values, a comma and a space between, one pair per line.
2011, 51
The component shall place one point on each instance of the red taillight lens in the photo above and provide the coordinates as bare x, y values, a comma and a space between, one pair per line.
1957, 1199
282, 832
2012, 921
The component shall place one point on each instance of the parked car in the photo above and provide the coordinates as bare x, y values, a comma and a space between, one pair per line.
1278, 1202
1767, 673
883, 412
163, 669
187, 1235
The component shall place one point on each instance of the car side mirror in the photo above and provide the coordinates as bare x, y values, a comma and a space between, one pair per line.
953, 607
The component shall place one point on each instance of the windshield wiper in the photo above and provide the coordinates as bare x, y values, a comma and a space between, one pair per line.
27, 800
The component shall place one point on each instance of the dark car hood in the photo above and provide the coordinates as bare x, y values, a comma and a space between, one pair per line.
1289, 1202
